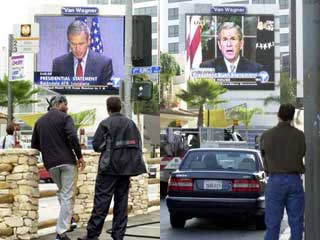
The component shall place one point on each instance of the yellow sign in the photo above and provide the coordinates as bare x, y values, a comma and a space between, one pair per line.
215, 118
235, 122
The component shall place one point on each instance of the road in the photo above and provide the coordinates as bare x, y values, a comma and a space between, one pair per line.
210, 229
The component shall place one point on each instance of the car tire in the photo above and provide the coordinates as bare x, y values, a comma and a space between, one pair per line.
177, 221
260, 223
163, 188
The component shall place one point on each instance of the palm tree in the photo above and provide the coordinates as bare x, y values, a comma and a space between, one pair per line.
200, 92
22, 92
244, 114
169, 68
287, 91
84, 118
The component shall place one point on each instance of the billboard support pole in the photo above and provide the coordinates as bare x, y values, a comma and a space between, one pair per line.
10, 107
311, 88
128, 60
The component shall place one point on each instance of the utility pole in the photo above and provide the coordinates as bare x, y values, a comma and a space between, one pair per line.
11, 49
128, 60
311, 66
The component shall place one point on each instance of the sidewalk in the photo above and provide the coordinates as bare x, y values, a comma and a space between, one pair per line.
152, 230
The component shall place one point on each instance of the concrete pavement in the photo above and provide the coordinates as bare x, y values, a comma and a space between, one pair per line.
141, 232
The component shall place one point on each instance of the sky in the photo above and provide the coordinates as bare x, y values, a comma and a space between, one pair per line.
19, 12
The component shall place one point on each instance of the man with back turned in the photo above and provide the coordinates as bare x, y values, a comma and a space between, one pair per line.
283, 148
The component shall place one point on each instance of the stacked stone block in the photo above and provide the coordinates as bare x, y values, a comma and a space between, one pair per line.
19, 178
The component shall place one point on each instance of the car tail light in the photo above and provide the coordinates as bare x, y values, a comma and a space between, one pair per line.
245, 185
180, 184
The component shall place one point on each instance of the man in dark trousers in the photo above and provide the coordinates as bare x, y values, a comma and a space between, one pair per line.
283, 148
54, 135
118, 139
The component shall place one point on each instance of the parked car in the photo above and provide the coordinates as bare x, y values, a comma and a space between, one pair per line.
217, 181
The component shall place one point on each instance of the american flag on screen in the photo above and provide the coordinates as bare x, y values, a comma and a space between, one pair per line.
96, 43
193, 43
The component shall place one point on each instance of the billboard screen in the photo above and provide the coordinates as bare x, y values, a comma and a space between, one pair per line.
236, 51
80, 54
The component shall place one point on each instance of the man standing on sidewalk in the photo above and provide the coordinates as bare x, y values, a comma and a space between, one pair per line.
283, 148
118, 139
54, 135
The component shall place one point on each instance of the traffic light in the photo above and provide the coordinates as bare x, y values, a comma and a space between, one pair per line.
141, 90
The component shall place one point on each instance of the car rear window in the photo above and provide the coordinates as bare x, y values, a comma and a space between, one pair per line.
220, 160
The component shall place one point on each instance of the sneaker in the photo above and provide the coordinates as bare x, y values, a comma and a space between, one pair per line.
87, 238
73, 225
62, 236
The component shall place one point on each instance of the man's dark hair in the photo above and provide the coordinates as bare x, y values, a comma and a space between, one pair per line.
10, 128
56, 100
113, 104
76, 27
286, 112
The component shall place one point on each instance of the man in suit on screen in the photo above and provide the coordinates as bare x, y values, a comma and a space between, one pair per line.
82, 61
230, 42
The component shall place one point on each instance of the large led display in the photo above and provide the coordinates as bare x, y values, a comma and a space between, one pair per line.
236, 51
80, 54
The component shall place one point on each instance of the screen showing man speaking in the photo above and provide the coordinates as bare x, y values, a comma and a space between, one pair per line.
235, 51
80, 54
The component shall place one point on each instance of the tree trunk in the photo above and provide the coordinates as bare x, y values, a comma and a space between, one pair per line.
200, 117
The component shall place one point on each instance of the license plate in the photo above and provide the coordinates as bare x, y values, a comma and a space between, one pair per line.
212, 184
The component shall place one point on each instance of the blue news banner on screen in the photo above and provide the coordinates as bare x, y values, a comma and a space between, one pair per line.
91, 62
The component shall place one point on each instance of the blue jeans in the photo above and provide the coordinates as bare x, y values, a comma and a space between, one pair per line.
284, 191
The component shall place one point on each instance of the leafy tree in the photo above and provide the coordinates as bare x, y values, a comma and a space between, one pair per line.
244, 114
200, 92
22, 92
287, 91
169, 68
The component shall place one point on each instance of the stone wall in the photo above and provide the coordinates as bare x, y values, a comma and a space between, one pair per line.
19, 178
19, 193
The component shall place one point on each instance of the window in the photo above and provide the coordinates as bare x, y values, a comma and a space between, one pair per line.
154, 60
118, 1
173, 13
173, 47
263, 1
284, 4
139, 1
173, 1
284, 21
173, 31
154, 43
285, 62
98, 1
154, 27
152, 11
284, 39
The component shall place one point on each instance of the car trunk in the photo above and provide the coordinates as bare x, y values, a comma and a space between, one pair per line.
217, 184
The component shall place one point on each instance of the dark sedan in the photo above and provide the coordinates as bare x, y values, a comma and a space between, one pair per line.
213, 182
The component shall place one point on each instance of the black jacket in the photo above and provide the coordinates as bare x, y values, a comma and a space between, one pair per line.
118, 139
244, 65
55, 136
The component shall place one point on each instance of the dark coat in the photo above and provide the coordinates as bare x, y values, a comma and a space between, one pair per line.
119, 141
97, 65
55, 136
283, 148
244, 65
